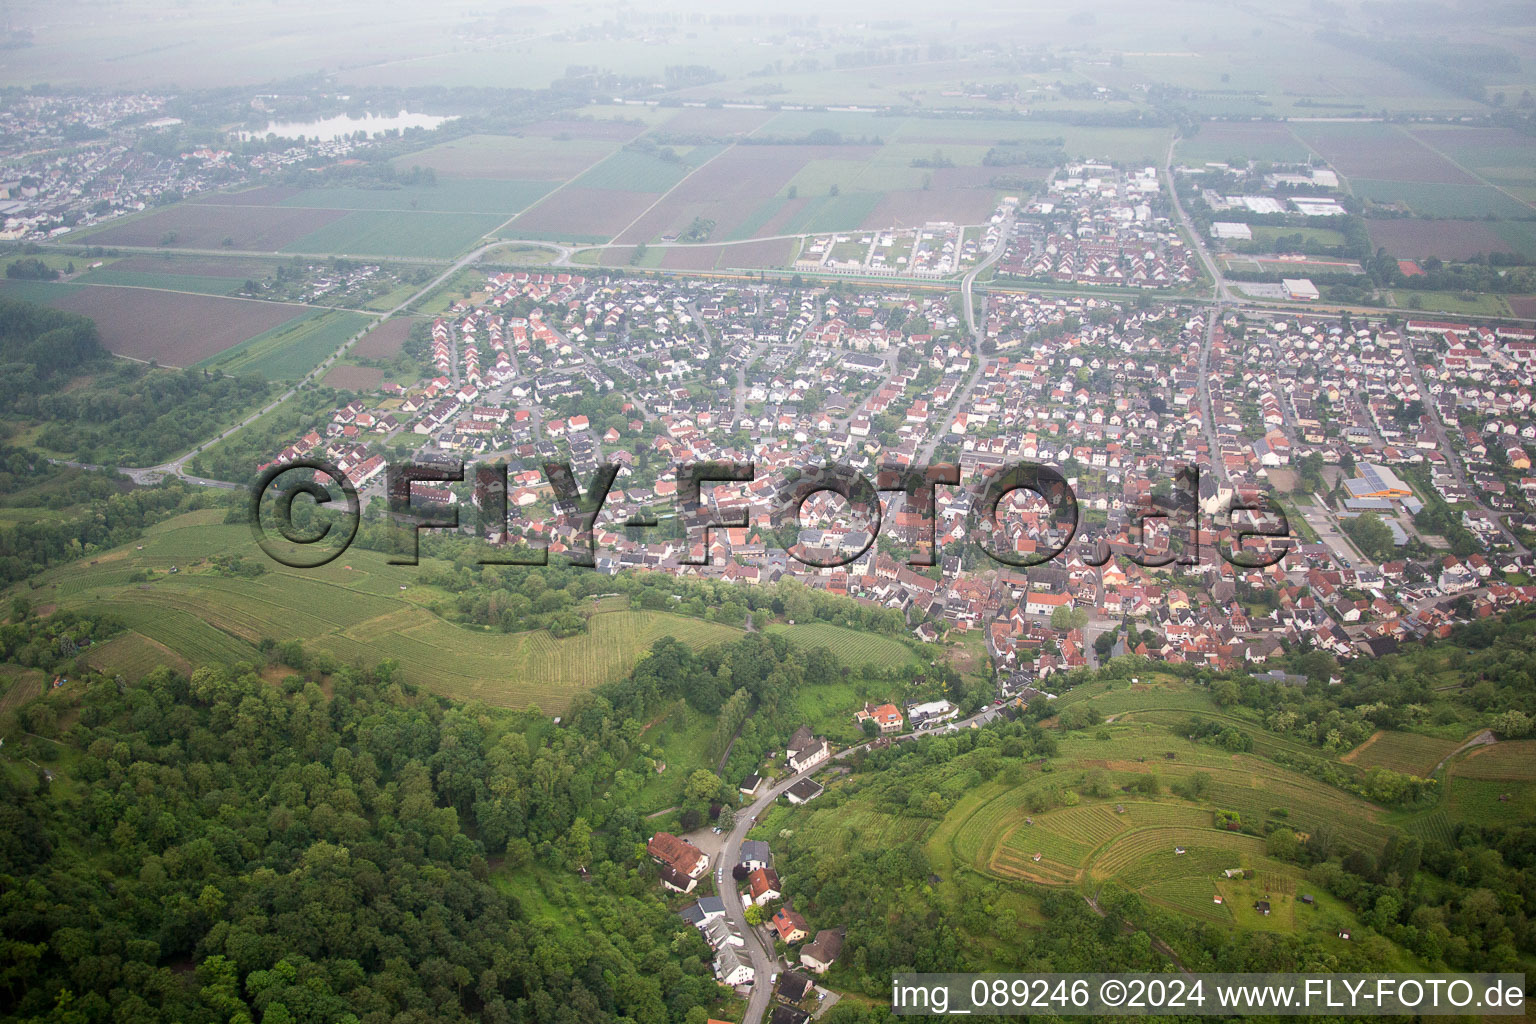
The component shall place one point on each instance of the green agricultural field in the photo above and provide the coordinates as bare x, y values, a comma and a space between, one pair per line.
632, 171
1520, 234
292, 350
359, 609
1218, 142
391, 233
48, 293
448, 195
1440, 199
850, 646
203, 284
1405, 752
843, 212
764, 212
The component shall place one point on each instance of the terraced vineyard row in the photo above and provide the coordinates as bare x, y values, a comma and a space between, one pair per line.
1147, 855
182, 632
1193, 895
134, 655
850, 646
1404, 752
1027, 840
1264, 742
1436, 826
1010, 863
1511, 760
979, 835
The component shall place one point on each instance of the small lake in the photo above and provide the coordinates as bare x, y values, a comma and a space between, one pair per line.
331, 128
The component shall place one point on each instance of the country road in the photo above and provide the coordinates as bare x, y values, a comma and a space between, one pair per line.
764, 962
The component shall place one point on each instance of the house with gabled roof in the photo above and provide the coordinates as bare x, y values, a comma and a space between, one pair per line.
821, 953
763, 886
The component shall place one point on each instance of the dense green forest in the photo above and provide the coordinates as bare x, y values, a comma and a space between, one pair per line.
130, 414
228, 850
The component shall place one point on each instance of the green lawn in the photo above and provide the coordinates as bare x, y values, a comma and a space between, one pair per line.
1315, 236
1450, 302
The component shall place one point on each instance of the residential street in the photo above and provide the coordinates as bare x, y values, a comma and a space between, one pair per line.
764, 963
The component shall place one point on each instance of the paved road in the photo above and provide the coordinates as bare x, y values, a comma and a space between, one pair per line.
1220, 292
1452, 454
967, 286
760, 949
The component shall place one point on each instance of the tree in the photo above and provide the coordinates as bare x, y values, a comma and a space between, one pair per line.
1512, 724
578, 842
702, 785
1370, 535
1282, 844
1066, 618
754, 915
